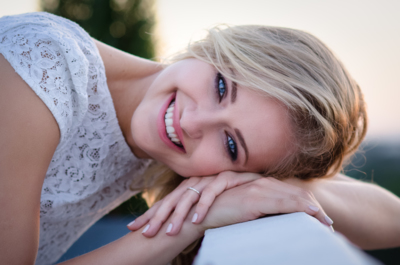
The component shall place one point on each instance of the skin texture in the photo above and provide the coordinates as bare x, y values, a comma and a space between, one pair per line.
206, 120
278, 197
364, 212
247, 202
29, 137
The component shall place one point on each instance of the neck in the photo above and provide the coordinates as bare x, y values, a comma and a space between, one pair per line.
128, 79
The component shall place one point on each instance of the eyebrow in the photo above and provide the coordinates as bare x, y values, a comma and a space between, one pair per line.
234, 92
243, 144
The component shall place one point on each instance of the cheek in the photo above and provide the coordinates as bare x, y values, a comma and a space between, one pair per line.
144, 131
205, 162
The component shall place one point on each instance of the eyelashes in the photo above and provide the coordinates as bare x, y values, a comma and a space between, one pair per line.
221, 90
231, 147
220, 86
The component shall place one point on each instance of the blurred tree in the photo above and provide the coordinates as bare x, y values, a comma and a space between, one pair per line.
124, 24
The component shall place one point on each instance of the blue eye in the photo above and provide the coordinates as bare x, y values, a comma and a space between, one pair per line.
221, 86
231, 146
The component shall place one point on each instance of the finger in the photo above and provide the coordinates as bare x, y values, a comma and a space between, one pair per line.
319, 214
161, 215
290, 205
314, 208
144, 218
208, 196
323, 218
186, 201
181, 212
296, 193
167, 205
225, 180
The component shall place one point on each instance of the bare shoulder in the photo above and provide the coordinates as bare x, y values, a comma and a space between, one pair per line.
341, 177
29, 136
26, 122
120, 65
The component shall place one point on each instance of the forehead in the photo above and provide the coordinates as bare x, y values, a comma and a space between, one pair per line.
265, 125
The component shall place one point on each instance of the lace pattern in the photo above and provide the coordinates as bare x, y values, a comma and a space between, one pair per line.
92, 167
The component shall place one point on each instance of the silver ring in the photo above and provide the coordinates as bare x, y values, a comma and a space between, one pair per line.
193, 189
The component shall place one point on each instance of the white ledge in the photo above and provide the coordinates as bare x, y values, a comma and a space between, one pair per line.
295, 238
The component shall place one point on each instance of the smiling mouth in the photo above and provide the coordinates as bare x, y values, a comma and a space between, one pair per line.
169, 120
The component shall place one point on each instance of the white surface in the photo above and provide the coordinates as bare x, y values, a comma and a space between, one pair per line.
293, 238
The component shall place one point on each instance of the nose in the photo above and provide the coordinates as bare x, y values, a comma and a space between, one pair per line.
196, 122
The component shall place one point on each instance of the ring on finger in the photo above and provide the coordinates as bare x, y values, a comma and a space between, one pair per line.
193, 189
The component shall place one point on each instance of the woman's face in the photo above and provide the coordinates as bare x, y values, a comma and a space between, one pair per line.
213, 125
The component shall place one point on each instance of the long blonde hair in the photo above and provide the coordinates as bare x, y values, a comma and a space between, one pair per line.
325, 104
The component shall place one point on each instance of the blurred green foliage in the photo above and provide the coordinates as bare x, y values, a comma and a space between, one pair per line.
378, 163
123, 24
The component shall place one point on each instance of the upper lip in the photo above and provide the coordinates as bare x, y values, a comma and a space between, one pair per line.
176, 123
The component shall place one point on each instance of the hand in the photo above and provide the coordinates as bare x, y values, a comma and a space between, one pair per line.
262, 197
181, 200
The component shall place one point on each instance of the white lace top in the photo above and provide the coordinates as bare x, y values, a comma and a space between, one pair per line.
92, 167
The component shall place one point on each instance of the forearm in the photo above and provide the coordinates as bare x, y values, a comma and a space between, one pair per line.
366, 214
134, 248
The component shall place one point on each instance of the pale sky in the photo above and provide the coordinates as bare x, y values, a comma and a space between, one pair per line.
365, 34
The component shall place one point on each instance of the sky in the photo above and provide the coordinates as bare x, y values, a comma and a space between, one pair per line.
364, 34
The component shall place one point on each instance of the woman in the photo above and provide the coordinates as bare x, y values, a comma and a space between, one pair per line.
82, 130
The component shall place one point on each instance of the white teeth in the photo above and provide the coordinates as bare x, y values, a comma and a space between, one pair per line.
168, 124
170, 129
171, 108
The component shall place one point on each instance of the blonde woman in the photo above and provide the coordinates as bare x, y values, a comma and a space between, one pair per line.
246, 106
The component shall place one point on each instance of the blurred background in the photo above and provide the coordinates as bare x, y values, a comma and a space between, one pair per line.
365, 35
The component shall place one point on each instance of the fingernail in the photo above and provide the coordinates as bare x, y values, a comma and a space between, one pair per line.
333, 230
131, 223
169, 228
194, 217
145, 229
328, 220
313, 208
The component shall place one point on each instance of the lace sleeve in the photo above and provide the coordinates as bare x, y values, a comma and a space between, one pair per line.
52, 55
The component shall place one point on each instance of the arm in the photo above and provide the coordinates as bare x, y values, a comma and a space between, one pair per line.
29, 137
279, 197
134, 248
239, 204
365, 213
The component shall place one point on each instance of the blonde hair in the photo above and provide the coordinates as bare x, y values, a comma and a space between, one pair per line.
325, 104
